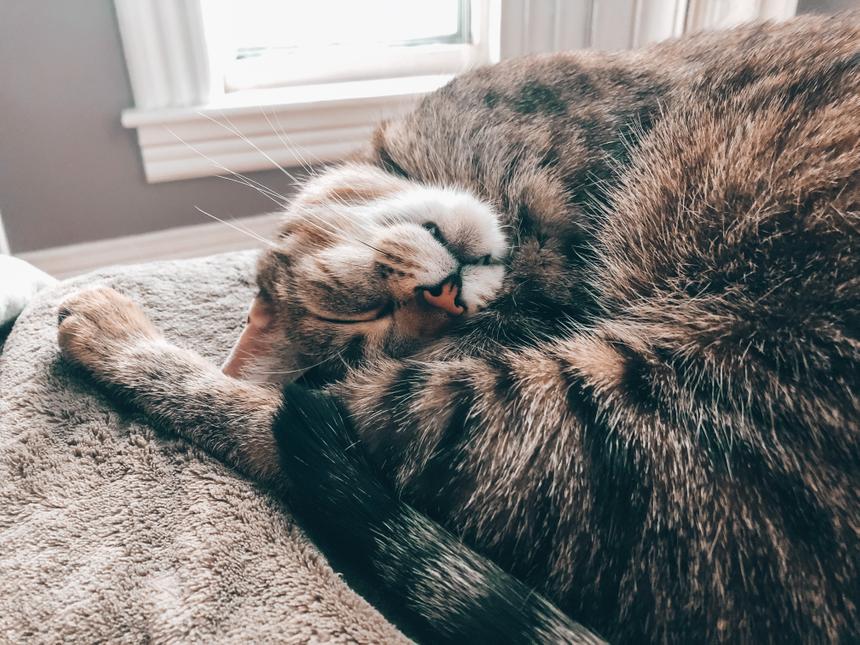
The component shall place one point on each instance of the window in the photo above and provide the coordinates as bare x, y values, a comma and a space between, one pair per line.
276, 44
717, 14
249, 84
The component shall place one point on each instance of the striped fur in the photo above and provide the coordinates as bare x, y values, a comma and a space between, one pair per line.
653, 421
662, 439
472, 598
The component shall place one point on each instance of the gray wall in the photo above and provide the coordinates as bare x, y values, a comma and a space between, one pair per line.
69, 172
826, 6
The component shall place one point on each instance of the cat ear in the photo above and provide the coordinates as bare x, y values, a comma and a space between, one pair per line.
254, 340
385, 132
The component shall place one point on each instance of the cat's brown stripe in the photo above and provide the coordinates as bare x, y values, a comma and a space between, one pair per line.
648, 414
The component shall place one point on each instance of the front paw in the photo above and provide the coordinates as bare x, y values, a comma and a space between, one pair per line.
97, 325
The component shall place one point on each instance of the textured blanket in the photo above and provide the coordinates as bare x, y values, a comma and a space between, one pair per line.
19, 282
111, 531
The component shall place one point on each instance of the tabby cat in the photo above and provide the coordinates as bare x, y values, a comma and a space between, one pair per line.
597, 315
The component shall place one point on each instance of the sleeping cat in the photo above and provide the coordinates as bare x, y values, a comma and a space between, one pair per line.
597, 315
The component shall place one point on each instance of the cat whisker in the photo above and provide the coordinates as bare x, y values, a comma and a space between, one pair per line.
273, 195
357, 220
315, 220
236, 227
344, 237
373, 248
284, 139
234, 130
308, 214
280, 204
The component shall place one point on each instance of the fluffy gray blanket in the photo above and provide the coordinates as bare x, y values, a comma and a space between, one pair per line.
110, 531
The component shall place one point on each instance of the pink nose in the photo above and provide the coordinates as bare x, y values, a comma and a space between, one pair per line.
445, 298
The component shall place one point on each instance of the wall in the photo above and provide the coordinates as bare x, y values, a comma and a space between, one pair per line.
69, 172
826, 6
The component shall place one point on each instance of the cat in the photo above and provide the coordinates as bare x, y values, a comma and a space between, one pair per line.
598, 317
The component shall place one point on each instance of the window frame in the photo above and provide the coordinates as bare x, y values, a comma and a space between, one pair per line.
187, 126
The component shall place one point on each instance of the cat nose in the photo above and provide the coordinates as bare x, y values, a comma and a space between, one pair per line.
444, 295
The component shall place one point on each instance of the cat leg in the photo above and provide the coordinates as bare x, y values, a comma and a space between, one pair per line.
110, 336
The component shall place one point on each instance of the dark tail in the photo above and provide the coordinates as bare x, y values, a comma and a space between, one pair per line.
448, 590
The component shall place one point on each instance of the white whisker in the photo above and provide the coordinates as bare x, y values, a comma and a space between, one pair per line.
274, 196
282, 137
238, 228
271, 196
232, 128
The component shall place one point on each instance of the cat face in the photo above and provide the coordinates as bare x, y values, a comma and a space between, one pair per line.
366, 264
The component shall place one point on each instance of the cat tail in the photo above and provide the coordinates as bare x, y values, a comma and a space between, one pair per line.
449, 591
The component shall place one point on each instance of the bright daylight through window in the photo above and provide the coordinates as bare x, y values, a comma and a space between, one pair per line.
276, 44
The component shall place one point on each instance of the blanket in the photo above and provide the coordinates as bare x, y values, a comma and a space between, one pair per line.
19, 282
111, 531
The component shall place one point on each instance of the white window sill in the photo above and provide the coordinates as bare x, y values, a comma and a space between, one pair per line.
257, 130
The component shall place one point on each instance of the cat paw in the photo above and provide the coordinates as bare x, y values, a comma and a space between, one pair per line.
97, 325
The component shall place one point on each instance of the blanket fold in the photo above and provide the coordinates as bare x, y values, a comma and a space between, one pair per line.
110, 531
